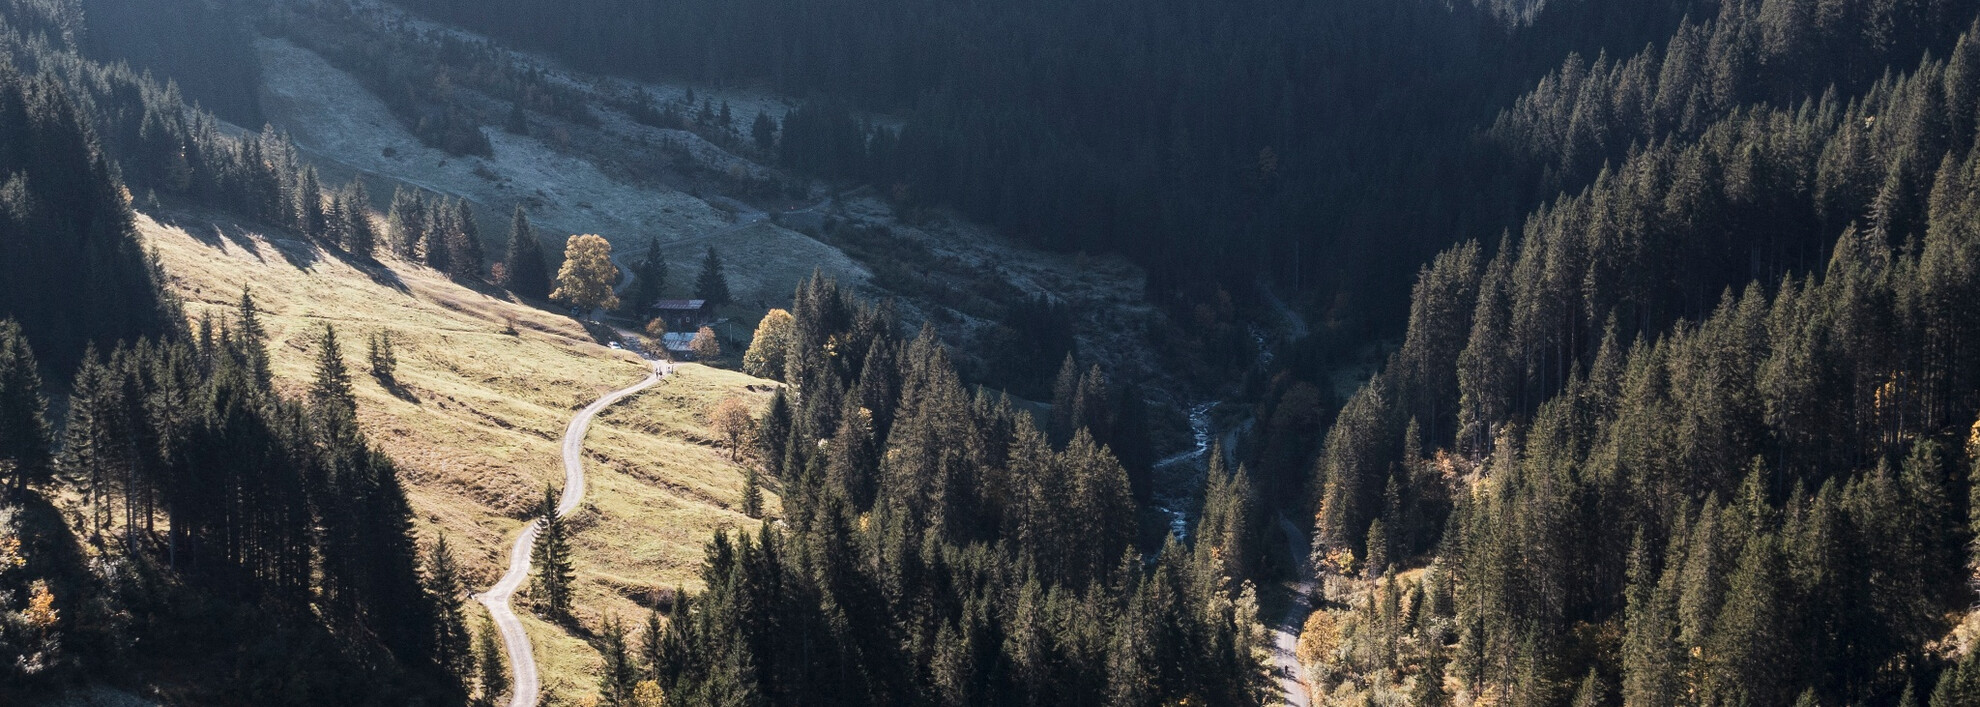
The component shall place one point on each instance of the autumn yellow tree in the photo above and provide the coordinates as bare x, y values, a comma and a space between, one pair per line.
656, 336
585, 280
705, 346
765, 358
733, 424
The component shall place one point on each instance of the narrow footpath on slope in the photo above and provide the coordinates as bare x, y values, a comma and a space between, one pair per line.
1285, 634
524, 687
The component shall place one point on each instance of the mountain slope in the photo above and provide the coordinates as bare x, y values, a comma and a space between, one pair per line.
486, 386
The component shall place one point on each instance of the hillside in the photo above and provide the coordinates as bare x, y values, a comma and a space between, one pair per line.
486, 387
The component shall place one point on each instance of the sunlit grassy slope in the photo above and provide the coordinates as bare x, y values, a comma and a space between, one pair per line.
487, 387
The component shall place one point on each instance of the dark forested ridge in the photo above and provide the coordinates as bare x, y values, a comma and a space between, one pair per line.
1701, 430
172, 523
938, 547
1682, 410
204, 46
1323, 145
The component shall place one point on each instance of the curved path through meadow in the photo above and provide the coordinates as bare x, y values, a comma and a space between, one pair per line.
524, 687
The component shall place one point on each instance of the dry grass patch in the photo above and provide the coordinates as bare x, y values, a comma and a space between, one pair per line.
486, 388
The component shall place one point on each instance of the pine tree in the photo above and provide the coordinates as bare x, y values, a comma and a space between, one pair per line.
330, 395
652, 642
620, 675
1064, 389
443, 582
494, 675
551, 556
773, 431
523, 269
1592, 693
361, 238
309, 216
764, 131
649, 281
407, 218
712, 285
752, 495
252, 341
464, 243
24, 432
1428, 690
442, 234
1377, 562
384, 361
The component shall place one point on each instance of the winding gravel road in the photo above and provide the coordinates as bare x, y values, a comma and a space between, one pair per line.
524, 686
1285, 635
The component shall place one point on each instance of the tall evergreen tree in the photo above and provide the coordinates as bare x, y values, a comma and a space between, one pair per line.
331, 394
24, 433
464, 243
383, 360
494, 674
252, 340
551, 556
773, 432
712, 285
451, 639
361, 236
763, 131
620, 675
752, 494
523, 268
649, 281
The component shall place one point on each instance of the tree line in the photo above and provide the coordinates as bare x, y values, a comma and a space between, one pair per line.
1320, 157
203, 490
939, 546
1699, 432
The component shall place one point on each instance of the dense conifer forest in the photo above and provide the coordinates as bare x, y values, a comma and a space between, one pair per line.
1674, 311
230, 531
942, 547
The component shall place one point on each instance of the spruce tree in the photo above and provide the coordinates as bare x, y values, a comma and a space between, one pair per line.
464, 243
330, 395
1592, 693
649, 281
773, 432
24, 432
517, 122
1428, 690
1065, 388
712, 285
384, 361
494, 675
551, 557
361, 237
309, 216
450, 640
252, 341
442, 234
752, 495
1377, 561
524, 271
620, 675
652, 642
407, 218
764, 131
